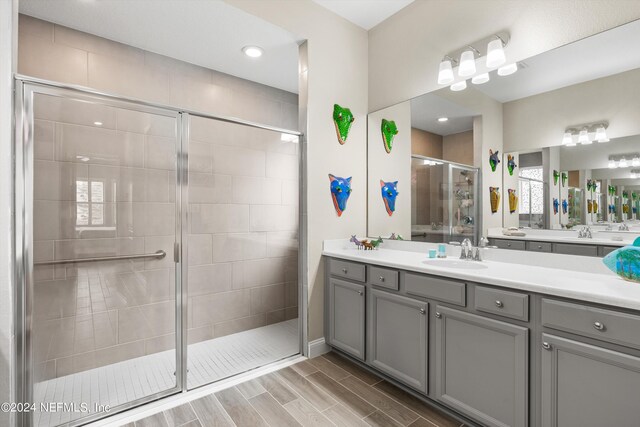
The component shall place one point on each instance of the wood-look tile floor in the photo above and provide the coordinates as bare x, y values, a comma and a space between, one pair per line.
325, 391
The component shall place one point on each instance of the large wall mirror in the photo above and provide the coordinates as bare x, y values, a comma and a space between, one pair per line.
555, 145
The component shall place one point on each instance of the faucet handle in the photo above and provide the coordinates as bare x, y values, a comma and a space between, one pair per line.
477, 256
463, 252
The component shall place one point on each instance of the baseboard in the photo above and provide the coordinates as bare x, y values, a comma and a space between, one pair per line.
318, 347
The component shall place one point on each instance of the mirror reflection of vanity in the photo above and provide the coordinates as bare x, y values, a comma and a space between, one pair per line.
543, 159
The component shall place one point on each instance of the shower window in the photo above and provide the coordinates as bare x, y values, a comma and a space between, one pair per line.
531, 190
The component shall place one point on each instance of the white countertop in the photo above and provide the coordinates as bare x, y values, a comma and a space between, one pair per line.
550, 274
605, 238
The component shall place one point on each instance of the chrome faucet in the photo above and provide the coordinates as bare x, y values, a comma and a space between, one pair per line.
467, 251
585, 233
623, 227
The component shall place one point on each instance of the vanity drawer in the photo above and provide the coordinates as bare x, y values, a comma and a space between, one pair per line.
383, 277
509, 244
503, 303
569, 249
435, 288
539, 246
605, 325
603, 251
348, 270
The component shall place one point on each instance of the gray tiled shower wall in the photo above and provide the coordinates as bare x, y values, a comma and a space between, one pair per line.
243, 204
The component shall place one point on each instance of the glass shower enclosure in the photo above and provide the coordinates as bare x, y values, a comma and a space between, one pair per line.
157, 250
444, 201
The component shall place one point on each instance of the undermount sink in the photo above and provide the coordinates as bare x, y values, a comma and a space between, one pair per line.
453, 263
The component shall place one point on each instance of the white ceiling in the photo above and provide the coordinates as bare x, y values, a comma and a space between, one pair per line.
604, 54
426, 109
364, 13
208, 33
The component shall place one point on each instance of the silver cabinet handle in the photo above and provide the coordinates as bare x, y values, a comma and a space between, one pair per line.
539, 246
344, 270
423, 311
546, 345
509, 245
381, 278
438, 315
599, 326
499, 303
360, 293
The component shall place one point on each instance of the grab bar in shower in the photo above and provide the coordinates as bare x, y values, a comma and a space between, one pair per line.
158, 255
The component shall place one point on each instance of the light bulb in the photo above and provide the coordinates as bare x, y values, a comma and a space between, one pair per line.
623, 163
443, 119
633, 176
612, 164
467, 64
567, 138
495, 54
508, 69
480, 79
445, 74
583, 137
635, 162
457, 87
601, 134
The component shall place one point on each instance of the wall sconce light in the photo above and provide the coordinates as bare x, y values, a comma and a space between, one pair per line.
492, 47
588, 133
622, 163
635, 162
468, 62
612, 164
635, 173
495, 52
445, 73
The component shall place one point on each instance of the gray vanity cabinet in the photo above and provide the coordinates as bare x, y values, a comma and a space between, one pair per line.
397, 337
482, 367
347, 317
588, 386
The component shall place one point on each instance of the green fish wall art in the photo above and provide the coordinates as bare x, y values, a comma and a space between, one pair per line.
556, 175
564, 179
389, 131
342, 119
511, 164
493, 159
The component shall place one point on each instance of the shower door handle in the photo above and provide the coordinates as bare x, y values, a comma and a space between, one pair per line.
176, 252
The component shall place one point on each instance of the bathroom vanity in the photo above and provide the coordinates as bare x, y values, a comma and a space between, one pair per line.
538, 340
562, 242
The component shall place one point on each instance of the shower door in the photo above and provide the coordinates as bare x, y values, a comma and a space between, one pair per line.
98, 181
241, 280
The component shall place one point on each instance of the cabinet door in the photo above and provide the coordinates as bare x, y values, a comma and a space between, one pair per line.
588, 386
347, 317
482, 367
397, 338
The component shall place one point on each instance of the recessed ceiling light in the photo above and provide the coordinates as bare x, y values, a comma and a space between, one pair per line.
253, 51
443, 119
97, 123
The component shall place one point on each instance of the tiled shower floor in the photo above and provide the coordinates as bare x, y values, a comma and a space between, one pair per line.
208, 361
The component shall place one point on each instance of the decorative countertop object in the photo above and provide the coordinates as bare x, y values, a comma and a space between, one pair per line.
625, 261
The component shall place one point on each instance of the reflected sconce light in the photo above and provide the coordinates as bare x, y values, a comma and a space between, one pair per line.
491, 48
507, 70
457, 87
445, 73
480, 79
583, 136
620, 160
567, 139
588, 133
635, 173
